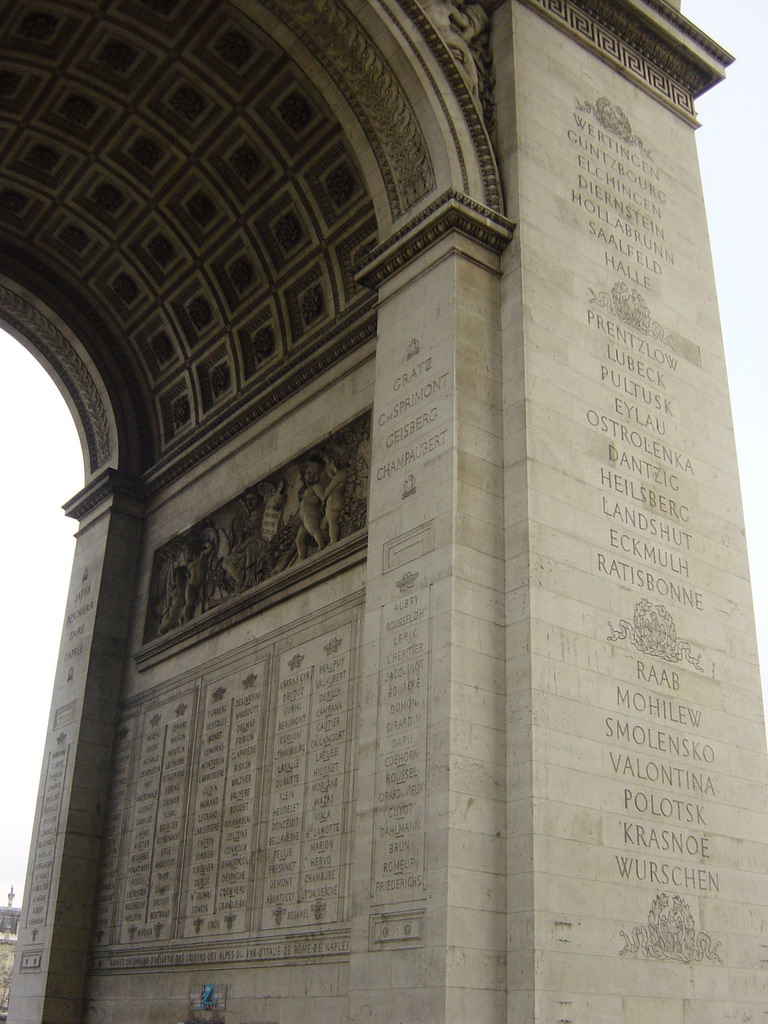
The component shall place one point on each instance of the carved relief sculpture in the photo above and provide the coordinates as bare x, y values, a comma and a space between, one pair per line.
307, 505
466, 30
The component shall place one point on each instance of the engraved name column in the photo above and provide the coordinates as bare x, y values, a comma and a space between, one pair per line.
53, 944
306, 831
435, 552
220, 880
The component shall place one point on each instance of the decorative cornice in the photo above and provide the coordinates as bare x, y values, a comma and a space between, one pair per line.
451, 212
659, 63
109, 484
371, 89
74, 374
674, 17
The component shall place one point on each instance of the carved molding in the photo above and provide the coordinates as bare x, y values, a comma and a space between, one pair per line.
109, 484
59, 352
657, 63
373, 92
480, 127
451, 212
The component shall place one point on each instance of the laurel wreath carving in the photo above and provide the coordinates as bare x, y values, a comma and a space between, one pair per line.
653, 632
373, 92
52, 344
671, 934
629, 305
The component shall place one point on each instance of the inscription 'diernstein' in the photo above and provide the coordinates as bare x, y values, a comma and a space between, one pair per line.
657, 741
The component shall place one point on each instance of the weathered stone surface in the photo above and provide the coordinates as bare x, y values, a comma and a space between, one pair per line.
408, 671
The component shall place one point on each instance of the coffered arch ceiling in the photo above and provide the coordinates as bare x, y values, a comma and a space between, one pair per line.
193, 203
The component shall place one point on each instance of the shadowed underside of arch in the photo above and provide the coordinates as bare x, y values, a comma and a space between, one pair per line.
197, 198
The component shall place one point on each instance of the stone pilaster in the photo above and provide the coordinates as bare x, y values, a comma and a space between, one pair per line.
428, 888
66, 841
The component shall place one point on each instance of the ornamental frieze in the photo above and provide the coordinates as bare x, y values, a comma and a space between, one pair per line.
307, 505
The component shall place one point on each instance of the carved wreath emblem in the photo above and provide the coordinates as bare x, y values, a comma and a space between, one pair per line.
628, 305
614, 120
670, 934
653, 631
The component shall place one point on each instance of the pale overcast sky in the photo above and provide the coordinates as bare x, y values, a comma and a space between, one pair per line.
43, 465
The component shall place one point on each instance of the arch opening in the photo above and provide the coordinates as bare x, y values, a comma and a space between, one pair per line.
42, 467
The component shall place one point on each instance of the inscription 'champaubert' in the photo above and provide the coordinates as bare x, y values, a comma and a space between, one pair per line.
410, 423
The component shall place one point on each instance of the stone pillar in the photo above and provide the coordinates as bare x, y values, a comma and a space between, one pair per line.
428, 878
636, 745
66, 841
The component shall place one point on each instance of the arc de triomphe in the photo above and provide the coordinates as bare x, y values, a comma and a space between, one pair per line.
408, 673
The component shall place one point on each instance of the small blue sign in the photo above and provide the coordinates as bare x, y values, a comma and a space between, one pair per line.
207, 997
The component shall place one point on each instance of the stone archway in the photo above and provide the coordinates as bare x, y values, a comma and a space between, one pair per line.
189, 194
196, 191
355, 595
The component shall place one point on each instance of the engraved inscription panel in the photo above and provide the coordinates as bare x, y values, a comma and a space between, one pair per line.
309, 778
153, 849
44, 850
398, 869
222, 811
229, 810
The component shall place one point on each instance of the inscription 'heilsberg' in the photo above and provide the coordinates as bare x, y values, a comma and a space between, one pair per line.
646, 466
657, 749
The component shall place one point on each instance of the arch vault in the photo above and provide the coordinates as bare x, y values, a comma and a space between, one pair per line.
373, 590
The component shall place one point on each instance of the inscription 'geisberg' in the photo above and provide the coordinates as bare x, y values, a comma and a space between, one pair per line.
413, 416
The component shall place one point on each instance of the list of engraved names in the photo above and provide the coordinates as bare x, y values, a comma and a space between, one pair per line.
657, 742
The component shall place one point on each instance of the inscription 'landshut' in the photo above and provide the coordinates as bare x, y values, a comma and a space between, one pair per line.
657, 745
647, 474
